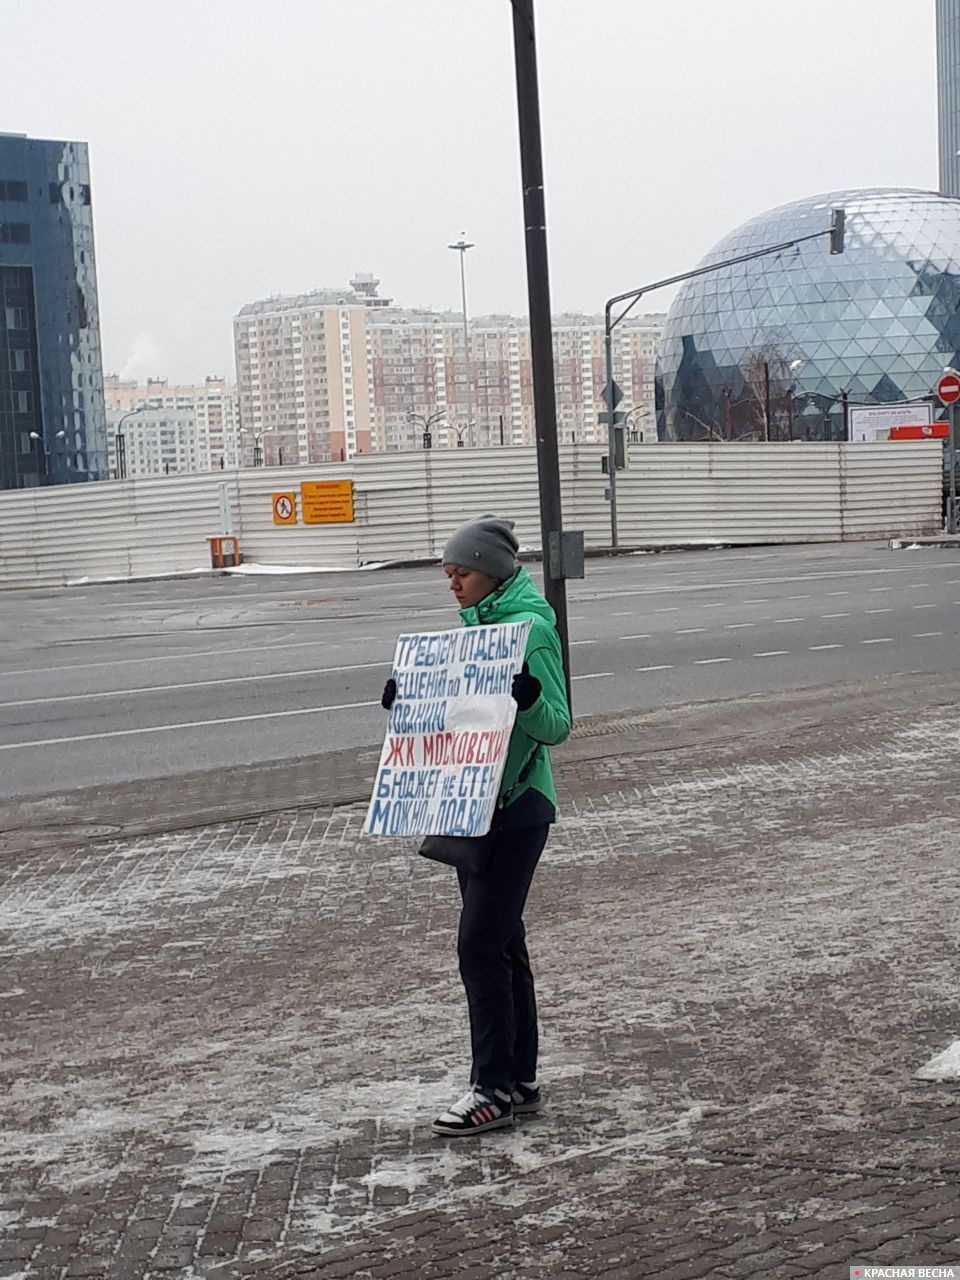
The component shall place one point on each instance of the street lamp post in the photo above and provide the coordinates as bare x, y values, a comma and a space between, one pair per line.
38, 440
462, 246
836, 233
637, 414
257, 444
120, 442
795, 366
426, 423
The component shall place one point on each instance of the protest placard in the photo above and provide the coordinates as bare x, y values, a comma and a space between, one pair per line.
448, 733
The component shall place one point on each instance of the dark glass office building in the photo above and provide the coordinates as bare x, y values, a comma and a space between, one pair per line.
775, 346
52, 419
948, 94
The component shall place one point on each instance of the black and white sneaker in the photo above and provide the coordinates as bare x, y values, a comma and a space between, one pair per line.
526, 1098
476, 1112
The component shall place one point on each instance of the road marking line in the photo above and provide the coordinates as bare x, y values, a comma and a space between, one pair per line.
759, 600
835, 615
772, 653
837, 593
789, 619
878, 611
643, 636
735, 626
629, 614
573, 642
806, 597
576, 617
716, 604
593, 675
925, 606
180, 656
668, 608
706, 662
189, 724
922, 635
666, 666
814, 647
689, 631
192, 684
879, 640
881, 588
917, 586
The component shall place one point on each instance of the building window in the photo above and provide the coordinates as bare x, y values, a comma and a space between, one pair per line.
10, 190
14, 232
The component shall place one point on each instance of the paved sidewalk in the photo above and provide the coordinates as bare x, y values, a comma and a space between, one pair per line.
223, 1043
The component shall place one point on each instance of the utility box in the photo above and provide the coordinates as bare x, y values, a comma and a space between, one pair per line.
224, 552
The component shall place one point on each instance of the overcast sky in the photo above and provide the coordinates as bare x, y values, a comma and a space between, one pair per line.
240, 148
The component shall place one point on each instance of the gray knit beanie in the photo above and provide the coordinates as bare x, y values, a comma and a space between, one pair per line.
488, 544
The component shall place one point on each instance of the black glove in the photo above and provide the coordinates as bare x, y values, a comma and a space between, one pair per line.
526, 689
389, 694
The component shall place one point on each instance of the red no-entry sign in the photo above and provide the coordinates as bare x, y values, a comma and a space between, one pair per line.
948, 388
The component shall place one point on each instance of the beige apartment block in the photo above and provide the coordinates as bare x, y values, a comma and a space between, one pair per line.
328, 374
173, 428
303, 376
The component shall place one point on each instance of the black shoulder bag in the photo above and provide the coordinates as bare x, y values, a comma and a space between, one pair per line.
472, 853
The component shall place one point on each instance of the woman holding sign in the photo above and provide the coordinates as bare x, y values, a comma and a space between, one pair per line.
491, 588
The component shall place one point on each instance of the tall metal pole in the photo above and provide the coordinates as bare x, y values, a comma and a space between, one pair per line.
611, 428
952, 512
541, 335
463, 246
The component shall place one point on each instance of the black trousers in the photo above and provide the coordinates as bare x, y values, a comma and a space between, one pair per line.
494, 964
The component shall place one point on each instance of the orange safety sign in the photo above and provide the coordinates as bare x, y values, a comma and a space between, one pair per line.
284, 508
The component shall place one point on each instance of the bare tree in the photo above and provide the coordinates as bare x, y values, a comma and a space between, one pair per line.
766, 373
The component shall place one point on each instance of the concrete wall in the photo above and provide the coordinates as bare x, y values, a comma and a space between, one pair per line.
406, 504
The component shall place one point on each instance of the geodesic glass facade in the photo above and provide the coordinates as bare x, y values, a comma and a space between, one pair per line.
773, 347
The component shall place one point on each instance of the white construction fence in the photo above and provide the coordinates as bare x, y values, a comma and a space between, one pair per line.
406, 504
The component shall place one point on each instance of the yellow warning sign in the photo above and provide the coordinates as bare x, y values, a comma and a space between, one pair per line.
284, 508
327, 501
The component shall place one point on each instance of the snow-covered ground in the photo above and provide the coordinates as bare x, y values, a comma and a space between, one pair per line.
749, 961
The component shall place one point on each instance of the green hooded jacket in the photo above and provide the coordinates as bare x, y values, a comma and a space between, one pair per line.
547, 722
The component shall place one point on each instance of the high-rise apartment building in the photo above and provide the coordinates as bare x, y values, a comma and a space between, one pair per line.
948, 94
328, 374
303, 376
168, 429
52, 425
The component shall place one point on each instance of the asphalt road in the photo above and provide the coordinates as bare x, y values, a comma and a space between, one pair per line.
121, 682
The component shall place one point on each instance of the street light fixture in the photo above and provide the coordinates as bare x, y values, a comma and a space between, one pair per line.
120, 443
794, 367
37, 438
462, 246
426, 423
257, 439
634, 415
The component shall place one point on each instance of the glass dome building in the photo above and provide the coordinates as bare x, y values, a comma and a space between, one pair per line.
774, 348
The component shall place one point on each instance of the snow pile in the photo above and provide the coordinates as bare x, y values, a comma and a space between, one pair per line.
945, 1066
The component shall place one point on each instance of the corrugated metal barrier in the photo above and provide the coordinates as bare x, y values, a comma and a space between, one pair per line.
406, 505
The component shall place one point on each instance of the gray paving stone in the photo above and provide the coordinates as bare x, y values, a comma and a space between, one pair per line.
743, 933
